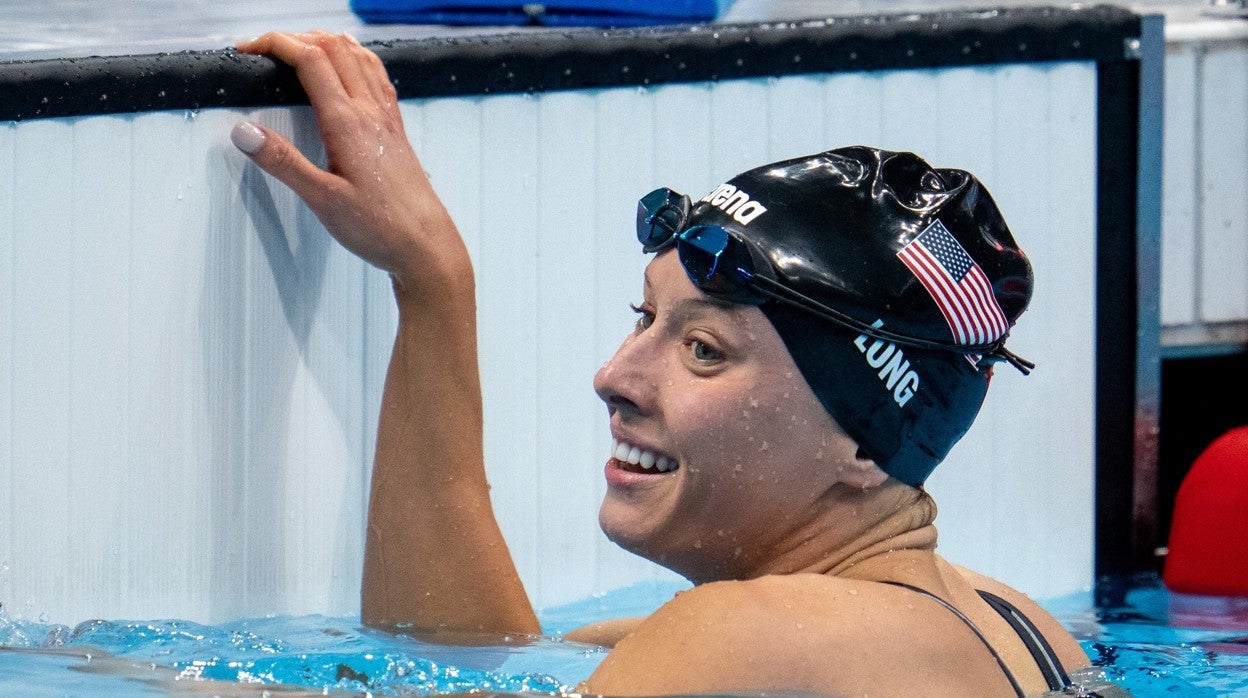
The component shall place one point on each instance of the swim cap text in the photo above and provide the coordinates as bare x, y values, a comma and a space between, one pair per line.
735, 203
895, 371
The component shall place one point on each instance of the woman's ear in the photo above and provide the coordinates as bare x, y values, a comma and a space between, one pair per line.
862, 472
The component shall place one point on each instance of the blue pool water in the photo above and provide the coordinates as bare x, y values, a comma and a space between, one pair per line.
1145, 639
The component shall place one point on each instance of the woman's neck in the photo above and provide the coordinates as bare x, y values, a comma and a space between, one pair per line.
858, 532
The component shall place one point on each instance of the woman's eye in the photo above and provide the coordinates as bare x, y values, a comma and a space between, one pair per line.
704, 352
645, 318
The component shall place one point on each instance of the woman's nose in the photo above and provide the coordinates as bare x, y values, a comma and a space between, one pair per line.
622, 381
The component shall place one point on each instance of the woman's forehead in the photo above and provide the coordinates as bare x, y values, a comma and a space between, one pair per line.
665, 280
669, 289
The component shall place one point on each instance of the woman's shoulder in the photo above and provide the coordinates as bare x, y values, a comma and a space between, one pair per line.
1064, 645
835, 603
803, 632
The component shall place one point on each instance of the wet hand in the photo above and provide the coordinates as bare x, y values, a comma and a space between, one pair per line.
373, 194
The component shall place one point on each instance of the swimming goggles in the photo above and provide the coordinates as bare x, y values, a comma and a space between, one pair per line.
725, 265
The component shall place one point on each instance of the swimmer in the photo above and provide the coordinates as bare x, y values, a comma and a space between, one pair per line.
796, 371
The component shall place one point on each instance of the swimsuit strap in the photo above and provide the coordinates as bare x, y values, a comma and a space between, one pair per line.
1040, 649
962, 616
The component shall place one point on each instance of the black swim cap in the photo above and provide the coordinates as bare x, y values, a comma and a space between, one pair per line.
923, 265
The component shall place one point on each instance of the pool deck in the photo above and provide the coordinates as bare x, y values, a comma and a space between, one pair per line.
78, 28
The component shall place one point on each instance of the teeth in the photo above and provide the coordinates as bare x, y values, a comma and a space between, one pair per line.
636, 456
620, 451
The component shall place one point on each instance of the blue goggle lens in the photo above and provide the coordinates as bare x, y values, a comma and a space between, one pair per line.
700, 249
660, 214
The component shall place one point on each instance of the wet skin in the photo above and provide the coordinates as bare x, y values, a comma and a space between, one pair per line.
711, 386
770, 504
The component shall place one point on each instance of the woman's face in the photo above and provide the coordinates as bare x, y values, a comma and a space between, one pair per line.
739, 451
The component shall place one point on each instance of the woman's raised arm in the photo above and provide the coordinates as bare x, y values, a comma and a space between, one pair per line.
435, 558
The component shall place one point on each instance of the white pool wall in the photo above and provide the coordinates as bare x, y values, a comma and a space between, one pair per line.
1204, 300
187, 421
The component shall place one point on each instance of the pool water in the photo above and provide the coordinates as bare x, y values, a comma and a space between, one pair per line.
1158, 643
1143, 638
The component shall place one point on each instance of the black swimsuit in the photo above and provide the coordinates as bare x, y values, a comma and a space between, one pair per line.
1040, 650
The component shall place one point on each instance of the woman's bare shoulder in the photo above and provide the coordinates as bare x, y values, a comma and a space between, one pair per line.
804, 633
1062, 642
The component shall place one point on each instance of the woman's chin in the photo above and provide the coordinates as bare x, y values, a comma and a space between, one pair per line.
639, 530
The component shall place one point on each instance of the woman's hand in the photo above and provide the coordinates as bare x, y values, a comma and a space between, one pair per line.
373, 195
434, 556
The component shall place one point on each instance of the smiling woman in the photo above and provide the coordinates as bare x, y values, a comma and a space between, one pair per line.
771, 444
709, 387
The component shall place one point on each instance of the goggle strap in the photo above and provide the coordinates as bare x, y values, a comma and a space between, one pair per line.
783, 294
1023, 365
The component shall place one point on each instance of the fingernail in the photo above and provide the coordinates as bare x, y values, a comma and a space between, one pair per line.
247, 137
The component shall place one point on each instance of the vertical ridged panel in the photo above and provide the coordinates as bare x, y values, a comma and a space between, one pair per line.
1180, 157
566, 248
162, 248
908, 102
796, 118
851, 103
43, 311
1064, 256
683, 125
739, 133
1224, 207
964, 102
9, 472
99, 344
195, 367
507, 278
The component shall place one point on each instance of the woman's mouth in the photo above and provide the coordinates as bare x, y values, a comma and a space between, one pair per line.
634, 459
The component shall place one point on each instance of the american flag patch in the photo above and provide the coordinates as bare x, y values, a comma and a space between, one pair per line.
957, 284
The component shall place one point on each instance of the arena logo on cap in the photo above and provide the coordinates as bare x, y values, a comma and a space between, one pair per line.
735, 203
895, 371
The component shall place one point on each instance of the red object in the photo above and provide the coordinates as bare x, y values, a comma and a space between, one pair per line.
1209, 534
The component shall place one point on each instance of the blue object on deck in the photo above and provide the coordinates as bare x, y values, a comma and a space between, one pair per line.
563, 13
